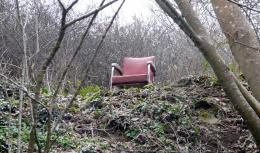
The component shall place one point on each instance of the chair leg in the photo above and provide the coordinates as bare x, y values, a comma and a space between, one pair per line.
149, 72
111, 76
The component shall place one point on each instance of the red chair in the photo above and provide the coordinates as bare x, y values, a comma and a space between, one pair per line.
135, 72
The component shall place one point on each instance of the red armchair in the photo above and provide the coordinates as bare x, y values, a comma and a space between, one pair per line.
136, 71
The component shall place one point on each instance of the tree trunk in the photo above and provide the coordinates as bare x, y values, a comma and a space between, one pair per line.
192, 26
242, 41
24, 77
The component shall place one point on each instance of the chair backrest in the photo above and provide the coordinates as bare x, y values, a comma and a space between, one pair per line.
136, 65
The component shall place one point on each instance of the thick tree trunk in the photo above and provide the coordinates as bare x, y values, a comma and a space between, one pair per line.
242, 41
192, 26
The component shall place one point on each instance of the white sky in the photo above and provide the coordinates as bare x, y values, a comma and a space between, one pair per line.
139, 8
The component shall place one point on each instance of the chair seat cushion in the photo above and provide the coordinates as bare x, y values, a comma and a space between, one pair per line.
129, 79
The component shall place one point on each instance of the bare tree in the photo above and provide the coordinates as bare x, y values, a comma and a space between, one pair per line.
25, 77
192, 27
41, 75
242, 41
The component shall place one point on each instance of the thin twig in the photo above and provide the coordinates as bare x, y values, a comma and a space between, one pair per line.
24, 89
241, 43
87, 69
61, 5
75, 53
12, 65
49, 131
245, 6
90, 13
72, 4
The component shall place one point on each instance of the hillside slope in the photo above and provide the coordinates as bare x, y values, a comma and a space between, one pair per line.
193, 116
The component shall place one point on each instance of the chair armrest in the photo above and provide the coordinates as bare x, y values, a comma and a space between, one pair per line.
118, 68
152, 66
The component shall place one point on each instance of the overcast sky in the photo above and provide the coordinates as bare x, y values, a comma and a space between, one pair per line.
139, 8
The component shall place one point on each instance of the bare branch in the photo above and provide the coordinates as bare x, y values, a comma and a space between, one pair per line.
76, 52
245, 6
49, 130
61, 5
210, 53
178, 19
72, 4
24, 89
90, 13
251, 99
252, 23
88, 66
18, 13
